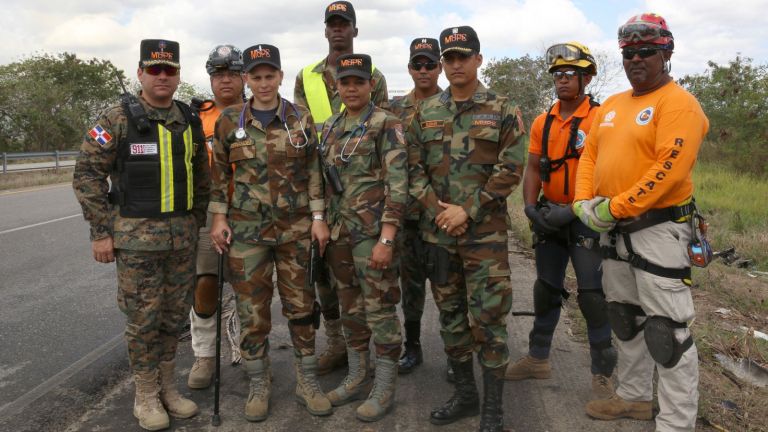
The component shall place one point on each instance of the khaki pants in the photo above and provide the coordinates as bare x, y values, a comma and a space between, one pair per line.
663, 244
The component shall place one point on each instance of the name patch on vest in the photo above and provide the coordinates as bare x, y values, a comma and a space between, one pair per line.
144, 149
431, 124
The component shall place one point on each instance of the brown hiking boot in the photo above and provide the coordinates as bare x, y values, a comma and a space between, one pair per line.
615, 407
257, 406
201, 374
602, 386
147, 407
177, 405
528, 367
308, 391
335, 354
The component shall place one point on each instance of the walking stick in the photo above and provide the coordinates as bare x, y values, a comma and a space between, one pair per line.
216, 418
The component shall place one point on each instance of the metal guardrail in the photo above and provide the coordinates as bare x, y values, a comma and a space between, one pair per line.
57, 155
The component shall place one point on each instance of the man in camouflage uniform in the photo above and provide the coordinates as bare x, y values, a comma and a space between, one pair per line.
424, 68
316, 89
267, 224
365, 162
148, 222
466, 157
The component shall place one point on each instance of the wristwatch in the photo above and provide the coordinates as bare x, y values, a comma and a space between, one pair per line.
318, 217
387, 242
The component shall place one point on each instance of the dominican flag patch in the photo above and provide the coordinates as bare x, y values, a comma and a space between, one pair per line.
100, 135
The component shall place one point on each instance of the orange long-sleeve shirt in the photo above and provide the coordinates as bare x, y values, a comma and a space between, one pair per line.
641, 150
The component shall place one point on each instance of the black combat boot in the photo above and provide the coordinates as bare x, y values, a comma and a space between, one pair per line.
492, 416
412, 355
465, 401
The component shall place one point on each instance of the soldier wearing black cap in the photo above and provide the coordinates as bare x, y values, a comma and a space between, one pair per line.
316, 89
268, 147
148, 222
364, 160
424, 68
462, 184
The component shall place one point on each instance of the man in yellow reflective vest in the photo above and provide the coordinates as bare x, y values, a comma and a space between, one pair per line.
315, 89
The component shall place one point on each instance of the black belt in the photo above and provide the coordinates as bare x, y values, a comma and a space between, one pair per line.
656, 216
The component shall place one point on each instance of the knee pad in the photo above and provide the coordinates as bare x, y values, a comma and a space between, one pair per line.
604, 357
665, 348
592, 305
623, 319
206, 296
545, 297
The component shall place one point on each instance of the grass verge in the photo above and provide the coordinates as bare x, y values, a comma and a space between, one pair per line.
18, 180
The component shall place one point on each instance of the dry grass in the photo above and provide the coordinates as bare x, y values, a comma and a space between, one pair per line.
17, 180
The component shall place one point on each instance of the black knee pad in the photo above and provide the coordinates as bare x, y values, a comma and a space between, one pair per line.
605, 357
545, 297
662, 343
623, 319
592, 305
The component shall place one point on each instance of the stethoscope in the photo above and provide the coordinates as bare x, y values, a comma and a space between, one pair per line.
240, 133
362, 127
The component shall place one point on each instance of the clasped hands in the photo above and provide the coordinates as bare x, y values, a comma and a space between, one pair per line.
453, 219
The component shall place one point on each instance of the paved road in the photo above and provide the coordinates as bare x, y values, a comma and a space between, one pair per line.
59, 318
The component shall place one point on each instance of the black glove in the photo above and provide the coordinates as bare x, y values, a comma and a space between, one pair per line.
540, 225
558, 216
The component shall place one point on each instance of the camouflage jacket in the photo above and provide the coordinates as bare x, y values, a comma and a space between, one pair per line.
379, 94
96, 162
276, 184
375, 178
473, 158
405, 108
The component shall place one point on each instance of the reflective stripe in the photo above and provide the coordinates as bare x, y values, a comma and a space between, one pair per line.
188, 149
164, 138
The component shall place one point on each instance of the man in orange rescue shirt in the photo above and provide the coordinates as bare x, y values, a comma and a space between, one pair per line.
635, 175
224, 66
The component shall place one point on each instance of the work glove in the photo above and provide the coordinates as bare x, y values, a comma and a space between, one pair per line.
558, 216
538, 223
596, 214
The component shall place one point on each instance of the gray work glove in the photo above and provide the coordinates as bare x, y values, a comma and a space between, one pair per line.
538, 223
558, 216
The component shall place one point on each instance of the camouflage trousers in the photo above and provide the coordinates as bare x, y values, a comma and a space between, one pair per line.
413, 275
474, 303
251, 278
329, 299
155, 294
368, 297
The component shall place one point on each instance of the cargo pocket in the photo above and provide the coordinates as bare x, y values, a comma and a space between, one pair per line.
242, 150
485, 145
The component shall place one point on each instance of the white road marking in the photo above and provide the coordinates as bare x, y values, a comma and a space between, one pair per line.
40, 223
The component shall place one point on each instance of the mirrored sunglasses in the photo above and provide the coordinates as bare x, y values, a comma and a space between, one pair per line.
569, 74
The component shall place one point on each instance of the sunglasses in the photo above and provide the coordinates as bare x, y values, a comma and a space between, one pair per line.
569, 74
418, 65
645, 52
158, 69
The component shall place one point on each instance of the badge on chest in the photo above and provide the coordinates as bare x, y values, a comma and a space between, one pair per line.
141, 149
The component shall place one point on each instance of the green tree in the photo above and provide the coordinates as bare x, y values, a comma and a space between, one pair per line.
735, 99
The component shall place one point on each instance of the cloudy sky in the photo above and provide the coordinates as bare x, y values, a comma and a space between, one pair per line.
704, 29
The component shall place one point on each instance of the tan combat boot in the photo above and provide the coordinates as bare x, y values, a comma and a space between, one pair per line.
201, 374
528, 367
335, 354
382, 396
615, 407
147, 407
602, 386
355, 383
308, 391
257, 406
176, 404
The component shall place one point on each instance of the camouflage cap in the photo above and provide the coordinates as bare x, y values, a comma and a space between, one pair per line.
461, 39
343, 9
159, 51
261, 54
427, 47
358, 65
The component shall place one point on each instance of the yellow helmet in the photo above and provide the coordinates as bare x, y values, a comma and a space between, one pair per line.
571, 54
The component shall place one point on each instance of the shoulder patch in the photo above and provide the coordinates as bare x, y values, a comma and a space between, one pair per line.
100, 135
432, 124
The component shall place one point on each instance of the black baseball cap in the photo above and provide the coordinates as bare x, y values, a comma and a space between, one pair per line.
461, 39
343, 9
157, 52
261, 54
427, 47
358, 65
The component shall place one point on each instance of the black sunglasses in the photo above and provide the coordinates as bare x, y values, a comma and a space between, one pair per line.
418, 65
158, 69
645, 52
